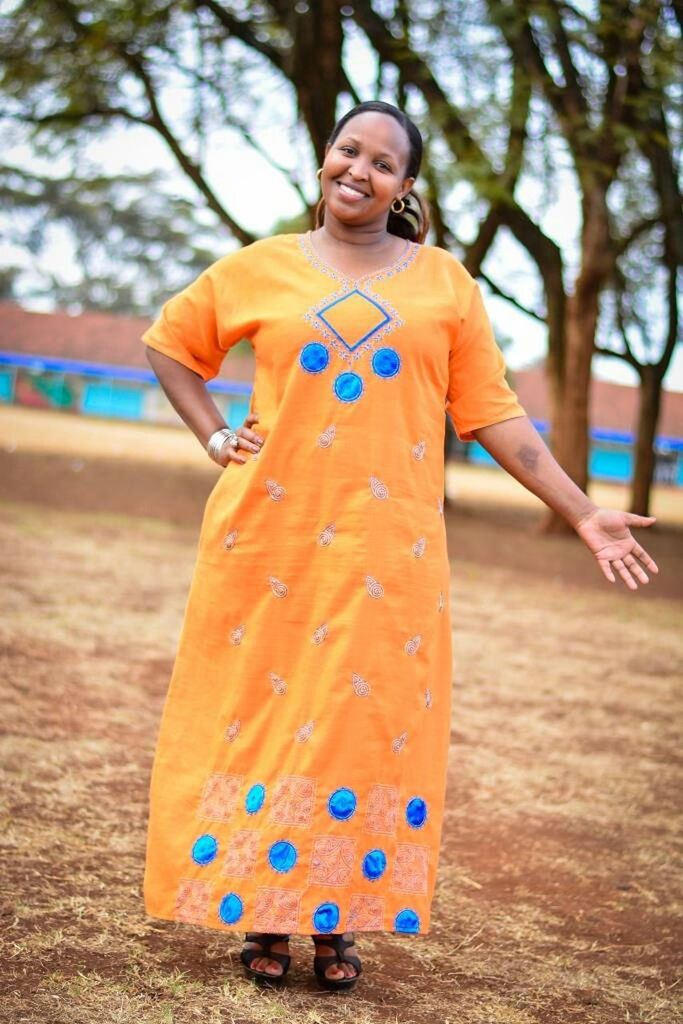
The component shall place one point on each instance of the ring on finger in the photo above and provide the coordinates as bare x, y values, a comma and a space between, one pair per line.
233, 439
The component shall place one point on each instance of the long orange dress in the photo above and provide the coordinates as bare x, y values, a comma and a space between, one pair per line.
299, 778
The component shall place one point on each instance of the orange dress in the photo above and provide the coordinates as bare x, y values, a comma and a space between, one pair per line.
299, 778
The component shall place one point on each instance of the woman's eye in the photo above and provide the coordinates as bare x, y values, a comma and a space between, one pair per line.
347, 149
383, 166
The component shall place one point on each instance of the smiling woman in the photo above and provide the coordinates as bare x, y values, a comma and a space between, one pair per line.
299, 779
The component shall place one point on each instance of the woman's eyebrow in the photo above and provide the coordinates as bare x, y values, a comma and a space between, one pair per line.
352, 138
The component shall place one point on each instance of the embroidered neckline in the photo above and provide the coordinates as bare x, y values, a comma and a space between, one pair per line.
402, 262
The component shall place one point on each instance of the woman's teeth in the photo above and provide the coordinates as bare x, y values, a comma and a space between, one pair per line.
351, 193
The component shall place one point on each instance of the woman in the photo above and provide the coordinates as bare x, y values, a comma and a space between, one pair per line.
299, 779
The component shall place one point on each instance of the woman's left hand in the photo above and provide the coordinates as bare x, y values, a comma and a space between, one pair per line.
606, 532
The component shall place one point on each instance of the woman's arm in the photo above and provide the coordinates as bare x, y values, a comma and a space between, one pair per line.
187, 393
518, 447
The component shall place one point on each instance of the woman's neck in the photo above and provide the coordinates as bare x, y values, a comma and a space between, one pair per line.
365, 238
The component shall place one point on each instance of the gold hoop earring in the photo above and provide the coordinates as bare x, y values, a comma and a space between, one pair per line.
401, 208
319, 173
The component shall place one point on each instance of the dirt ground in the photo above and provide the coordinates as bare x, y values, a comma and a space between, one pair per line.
559, 894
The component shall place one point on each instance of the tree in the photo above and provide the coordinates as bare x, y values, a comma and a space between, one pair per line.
122, 229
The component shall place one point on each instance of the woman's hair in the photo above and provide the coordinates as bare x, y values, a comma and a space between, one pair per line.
413, 222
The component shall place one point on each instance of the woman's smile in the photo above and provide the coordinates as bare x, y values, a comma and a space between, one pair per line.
352, 193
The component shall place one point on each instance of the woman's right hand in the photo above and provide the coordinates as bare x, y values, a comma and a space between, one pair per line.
249, 441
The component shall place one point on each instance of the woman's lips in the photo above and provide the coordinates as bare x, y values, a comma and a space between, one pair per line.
349, 193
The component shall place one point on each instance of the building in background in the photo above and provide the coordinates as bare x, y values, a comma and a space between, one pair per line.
94, 364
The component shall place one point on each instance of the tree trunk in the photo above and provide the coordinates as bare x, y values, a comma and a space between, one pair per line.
571, 426
648, 417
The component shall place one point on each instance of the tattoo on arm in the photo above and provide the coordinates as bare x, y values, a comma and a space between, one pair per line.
528, 456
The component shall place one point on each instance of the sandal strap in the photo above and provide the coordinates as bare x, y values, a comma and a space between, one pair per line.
265, 940
340, 945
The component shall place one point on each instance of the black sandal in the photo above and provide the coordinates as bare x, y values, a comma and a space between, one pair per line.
265, 940
322, 962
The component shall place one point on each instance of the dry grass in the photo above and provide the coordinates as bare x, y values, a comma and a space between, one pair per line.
559, 894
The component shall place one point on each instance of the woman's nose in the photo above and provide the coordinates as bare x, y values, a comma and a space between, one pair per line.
359, 169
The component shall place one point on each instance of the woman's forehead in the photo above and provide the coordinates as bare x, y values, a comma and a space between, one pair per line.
380, 131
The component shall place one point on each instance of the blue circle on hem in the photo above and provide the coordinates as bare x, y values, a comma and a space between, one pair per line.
255, 798
342, 803
231, 908
407, 921
386, 362
374, 864
282, 855
204, 849
348, 386
416, 812
314, 357
326, 917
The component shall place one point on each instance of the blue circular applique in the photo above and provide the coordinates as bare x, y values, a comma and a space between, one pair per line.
416, 812
407, 921
342, 803
255, 797
374, 864
231, 908
348, 386
326, 917
204, 849
314, 357
386, 362
282, 855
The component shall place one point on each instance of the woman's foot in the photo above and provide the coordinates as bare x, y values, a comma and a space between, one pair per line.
266, 964
343, 966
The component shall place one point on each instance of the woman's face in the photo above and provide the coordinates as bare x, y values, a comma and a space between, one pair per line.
364, 169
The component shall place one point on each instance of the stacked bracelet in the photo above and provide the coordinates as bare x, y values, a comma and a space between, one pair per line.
215, 443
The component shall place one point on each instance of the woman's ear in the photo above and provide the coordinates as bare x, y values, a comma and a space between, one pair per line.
406, 185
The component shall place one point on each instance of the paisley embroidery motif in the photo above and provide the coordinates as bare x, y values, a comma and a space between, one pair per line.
275, 490
398, 744
413, 645
428, 698
279, 588
279, 685
326, 536
418, 450
379, 489
320, 634
305, 732
327, 436
237, 635
419, 546
361, 686
230, 540
375, 589
232, 731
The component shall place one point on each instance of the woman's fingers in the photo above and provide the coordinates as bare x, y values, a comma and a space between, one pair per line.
647, 561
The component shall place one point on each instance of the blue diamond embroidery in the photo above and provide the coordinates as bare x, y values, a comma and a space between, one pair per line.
375, 317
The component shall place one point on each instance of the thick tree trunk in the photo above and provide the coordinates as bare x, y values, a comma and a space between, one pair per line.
648, 416
571, 426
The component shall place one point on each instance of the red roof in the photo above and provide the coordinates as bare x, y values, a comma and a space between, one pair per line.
113, 339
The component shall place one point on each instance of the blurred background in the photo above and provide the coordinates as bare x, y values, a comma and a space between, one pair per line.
143, 139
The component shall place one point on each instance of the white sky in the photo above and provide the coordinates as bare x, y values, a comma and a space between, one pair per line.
257, 195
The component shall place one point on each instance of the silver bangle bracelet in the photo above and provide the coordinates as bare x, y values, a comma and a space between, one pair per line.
215, 443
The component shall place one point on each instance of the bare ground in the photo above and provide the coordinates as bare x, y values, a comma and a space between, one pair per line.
559, 893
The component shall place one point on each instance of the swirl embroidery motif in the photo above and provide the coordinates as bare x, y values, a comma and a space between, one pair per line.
279, 588
361, 686
419, 546
320, 634
418, 450
326, 536
412, 646
375, 589
379, 489
326, 438
279, 685
230, 540
237, 635
275, 490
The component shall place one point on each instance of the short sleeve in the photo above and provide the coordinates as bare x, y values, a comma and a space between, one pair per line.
478, 393
198, 325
